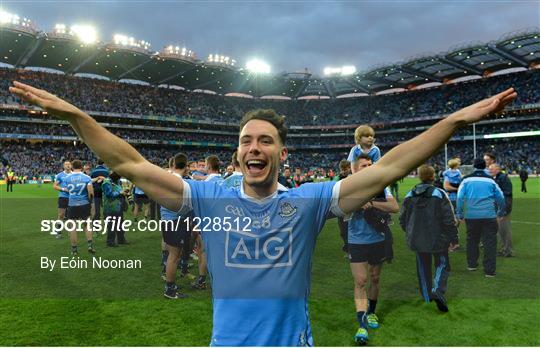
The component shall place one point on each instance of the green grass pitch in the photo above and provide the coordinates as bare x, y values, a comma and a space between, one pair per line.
126, 307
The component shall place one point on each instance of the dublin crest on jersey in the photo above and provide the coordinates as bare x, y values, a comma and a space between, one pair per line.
286, 210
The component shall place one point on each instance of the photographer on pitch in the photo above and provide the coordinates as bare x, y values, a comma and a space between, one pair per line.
427, 217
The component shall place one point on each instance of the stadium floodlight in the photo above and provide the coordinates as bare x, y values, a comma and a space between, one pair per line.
343, 71
258, 66
331, 71
7, 18
348, 70
86, 33
123, 40
179, 51
60, 29
219, 59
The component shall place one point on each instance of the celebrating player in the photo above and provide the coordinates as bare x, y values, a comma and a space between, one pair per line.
81, 193
260, 268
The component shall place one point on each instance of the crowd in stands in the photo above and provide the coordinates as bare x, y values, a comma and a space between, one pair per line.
105, 96
38, 159
140, 134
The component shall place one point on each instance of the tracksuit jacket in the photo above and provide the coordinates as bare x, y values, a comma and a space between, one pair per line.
427, 217
479, 197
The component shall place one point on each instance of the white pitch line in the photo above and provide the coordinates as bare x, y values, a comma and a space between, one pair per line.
526, 222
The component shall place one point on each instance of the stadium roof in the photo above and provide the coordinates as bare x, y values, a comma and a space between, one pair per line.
27, 47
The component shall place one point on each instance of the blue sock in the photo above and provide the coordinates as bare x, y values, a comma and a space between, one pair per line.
371, 306
362, 320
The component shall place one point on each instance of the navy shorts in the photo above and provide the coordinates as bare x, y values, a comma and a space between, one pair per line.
63, 202
174, 232
374, 254
78, 212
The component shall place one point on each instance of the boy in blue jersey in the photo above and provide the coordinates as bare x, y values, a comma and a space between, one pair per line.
364, 137
63, 195
452, 179
81, 193
366, 254
260, 264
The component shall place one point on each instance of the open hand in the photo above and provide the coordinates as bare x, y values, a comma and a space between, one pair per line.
482, 109
45, 100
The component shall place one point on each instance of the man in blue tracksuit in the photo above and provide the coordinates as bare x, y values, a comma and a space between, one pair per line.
480, 201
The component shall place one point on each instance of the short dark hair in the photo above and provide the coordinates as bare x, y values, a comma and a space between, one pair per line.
491, 155
363, 156
479, 163
344, 165
100, 162
114, 176
77, 164
213, 162
180, 161
268, 115
234, 159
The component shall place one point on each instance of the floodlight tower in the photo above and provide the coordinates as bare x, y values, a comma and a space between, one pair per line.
178, 52
221, 60
13, 21
128, 42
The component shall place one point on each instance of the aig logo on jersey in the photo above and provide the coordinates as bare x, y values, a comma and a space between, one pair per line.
286, 210
269, 250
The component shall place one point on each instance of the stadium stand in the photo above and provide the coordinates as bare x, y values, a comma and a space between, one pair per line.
160, 120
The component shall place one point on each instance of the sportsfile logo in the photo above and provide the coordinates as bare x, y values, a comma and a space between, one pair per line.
269, 250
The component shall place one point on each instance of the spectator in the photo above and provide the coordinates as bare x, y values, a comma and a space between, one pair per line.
428, 220
479, 202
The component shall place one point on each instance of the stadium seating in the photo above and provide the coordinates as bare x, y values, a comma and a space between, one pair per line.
142, 114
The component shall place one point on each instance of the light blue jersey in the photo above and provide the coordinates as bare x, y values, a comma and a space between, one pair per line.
167, 214
138, 191
60, 180
374, 153
214, 178
77, 183
235, 180
259, 257
452, 176
360, 232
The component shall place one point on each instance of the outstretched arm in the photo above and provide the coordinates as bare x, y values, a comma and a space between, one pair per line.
360, 187
115, 152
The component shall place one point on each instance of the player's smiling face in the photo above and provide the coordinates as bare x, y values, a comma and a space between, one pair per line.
260, 152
